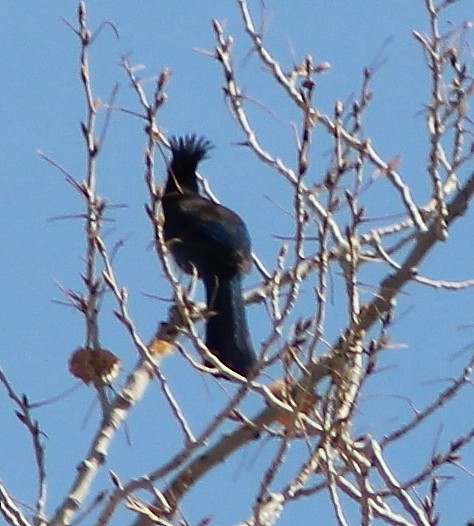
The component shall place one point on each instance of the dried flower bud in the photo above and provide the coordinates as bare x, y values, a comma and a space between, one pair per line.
282, 390
160, 347
97, 366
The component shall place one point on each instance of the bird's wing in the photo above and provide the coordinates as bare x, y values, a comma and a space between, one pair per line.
214, 229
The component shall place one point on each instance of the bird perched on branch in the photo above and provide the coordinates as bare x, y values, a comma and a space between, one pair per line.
209, 239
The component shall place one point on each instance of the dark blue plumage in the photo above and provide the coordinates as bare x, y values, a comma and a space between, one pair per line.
214, 241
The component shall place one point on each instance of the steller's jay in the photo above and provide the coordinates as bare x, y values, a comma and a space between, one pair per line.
209, 239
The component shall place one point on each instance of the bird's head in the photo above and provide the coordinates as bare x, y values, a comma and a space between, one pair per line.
187, 152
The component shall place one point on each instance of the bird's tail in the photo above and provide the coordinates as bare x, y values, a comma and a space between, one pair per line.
227, 332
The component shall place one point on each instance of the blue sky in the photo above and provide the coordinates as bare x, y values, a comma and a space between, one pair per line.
41, 108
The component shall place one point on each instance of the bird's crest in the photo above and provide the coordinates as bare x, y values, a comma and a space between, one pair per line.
189, 150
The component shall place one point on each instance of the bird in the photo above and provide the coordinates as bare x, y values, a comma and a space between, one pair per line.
211, 240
